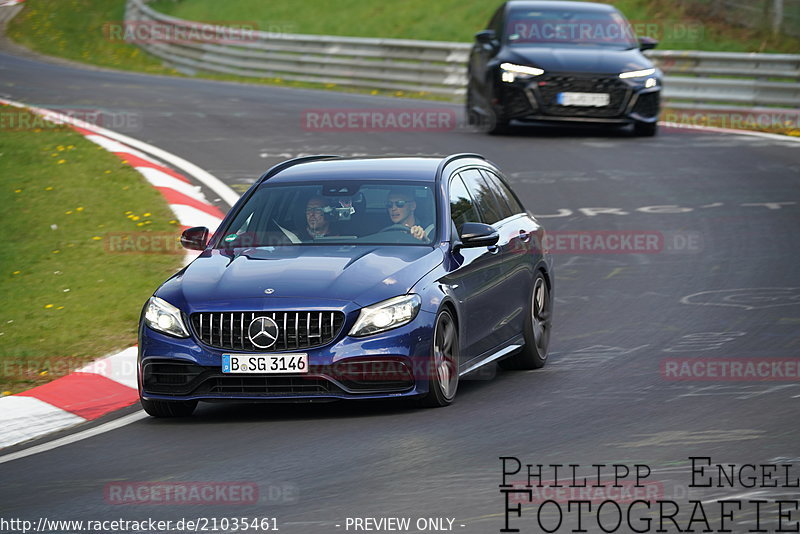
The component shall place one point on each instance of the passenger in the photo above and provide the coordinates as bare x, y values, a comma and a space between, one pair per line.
318, 223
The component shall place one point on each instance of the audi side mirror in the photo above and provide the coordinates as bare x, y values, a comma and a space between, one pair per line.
647, 43
195, 238
486, 37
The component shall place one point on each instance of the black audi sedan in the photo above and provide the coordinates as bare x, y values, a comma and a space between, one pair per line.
564, 62
361, 278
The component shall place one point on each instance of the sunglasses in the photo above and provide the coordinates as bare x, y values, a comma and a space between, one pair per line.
398, 203
319, 211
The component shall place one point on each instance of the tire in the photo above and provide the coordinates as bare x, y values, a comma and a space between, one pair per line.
483, 122
537, 330
488, 124
443, 368
645, 129
473, 119
495, 124
158, 408
498, 127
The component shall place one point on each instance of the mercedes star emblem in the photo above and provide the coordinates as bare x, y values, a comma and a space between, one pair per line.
263, 332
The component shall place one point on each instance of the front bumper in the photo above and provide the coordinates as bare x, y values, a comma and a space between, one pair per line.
537, 100
389, 365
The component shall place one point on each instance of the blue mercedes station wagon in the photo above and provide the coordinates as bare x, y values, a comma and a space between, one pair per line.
338, 278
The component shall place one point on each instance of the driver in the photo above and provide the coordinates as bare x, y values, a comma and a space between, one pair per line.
401, 208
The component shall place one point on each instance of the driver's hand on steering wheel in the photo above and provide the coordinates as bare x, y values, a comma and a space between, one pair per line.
418, 232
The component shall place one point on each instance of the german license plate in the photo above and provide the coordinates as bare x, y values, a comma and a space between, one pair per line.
264, 363
589, 100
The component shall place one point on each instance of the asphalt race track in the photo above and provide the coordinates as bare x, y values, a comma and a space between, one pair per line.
723, 284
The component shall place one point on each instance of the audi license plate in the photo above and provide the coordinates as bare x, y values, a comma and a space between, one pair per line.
264, 363
589, 100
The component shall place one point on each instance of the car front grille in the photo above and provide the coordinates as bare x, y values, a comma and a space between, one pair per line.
296, 329
549, 86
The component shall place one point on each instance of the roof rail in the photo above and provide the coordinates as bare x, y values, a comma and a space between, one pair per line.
292, 162
451, 158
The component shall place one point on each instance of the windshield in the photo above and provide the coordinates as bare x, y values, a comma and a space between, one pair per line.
557, 27
335, 213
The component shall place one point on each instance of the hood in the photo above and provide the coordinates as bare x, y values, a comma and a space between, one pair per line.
578, 59
360, 274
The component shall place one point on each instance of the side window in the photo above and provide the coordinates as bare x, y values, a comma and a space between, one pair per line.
245, 226
484, 199
504, 194
462, 208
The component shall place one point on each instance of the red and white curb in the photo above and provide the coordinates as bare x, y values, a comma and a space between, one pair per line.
101, 387
107, 384
9, 3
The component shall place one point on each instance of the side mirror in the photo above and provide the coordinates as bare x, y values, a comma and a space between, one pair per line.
486, 37
474, 235
647, 43
195, 238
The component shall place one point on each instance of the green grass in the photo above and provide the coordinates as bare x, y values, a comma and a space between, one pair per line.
73, 29
458, 20
67, 299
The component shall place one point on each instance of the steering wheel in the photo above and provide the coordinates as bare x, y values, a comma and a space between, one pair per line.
403, 228
397, 228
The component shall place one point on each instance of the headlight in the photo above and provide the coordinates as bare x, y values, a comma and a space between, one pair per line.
386, 315
164, 317
511, 72
637, 73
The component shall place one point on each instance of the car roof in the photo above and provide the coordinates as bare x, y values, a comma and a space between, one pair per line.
559, 5
415, 169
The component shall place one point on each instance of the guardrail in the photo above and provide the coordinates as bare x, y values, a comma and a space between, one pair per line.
693, 79
390, 64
